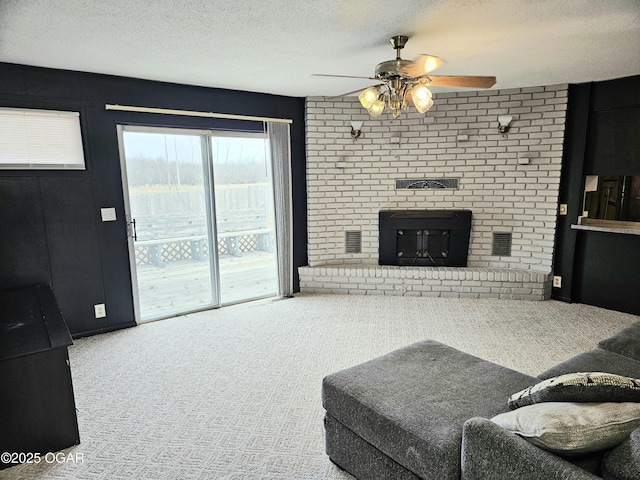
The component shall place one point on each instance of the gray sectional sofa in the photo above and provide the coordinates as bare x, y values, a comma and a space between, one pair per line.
423, 412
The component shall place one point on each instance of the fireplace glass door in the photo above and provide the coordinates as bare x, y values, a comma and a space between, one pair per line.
427, 238
429, 244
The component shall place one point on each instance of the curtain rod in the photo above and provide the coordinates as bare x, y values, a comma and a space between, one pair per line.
189, 113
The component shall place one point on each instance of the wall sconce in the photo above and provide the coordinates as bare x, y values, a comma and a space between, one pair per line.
503, 123
355, 129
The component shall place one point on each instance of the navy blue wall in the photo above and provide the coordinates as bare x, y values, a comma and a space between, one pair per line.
50, 226
601, 138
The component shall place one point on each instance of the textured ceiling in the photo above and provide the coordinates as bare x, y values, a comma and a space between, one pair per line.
275, 46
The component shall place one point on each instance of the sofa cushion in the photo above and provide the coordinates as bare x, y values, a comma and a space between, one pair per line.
596, 360
359, 458
493, 453
579, 387
411, 403
573, 428
626, 342
623, 462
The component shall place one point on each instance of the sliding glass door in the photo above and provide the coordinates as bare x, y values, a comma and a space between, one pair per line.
200, 215
244, 216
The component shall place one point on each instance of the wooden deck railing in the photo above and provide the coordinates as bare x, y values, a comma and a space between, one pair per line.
195, 247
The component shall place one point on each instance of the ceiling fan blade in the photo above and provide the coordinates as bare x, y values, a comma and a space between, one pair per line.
461, 81
349, 93
421, 65
340, 76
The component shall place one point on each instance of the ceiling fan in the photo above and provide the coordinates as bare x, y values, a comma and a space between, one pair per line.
406, 81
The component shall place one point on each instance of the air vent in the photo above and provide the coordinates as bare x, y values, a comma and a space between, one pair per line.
501, 245
353, 242
422, 183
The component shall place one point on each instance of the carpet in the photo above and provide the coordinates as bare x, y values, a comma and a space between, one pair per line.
234, 393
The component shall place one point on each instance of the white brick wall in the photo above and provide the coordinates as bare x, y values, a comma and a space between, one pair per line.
349, 181
426, 282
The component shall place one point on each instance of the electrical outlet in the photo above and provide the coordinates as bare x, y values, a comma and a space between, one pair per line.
557, 281
101, 310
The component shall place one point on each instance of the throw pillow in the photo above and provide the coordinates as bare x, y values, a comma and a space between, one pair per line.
623, 462
579, 387
570, 428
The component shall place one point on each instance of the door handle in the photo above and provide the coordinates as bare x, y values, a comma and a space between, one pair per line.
131, 230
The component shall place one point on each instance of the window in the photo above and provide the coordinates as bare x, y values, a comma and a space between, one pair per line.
40, 139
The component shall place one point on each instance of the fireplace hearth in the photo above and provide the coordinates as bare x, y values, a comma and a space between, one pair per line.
424, 237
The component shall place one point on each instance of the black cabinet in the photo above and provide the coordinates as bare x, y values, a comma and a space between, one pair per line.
37, 407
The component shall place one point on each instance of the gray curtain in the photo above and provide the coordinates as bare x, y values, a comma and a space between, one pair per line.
279, 144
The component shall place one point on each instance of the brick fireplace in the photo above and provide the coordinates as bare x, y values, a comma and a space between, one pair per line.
509, 181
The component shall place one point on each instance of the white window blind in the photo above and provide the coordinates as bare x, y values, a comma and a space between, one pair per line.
40, 139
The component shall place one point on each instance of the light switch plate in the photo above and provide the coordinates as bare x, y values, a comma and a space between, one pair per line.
108, 214
100, 310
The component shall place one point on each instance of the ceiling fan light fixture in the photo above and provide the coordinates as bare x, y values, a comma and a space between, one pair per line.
404, 81
377, 107
424, 108
369, 96
422, 98
431, 63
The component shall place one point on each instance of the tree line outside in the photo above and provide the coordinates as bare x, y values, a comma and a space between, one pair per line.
142, 171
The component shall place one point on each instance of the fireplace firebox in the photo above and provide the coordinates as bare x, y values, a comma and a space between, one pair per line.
424, 237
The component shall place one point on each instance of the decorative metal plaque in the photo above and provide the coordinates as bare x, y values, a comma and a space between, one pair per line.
422, 183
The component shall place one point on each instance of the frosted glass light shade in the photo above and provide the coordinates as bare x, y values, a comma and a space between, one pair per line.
422, 98
376, 109
369, 96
